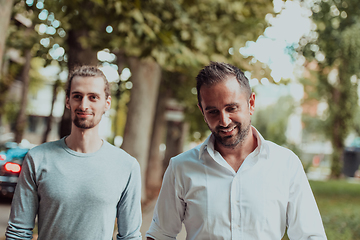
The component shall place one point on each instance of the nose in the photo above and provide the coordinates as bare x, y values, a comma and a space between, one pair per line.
224, 120
84, 104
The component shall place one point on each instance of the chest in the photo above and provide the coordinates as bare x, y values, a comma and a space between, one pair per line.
84, 182
249, 200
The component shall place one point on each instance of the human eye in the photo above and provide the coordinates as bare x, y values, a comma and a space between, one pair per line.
231, 108
213, 112
77, 96
93, 97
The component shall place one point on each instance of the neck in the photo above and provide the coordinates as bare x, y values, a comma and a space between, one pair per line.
84, 140
235, 156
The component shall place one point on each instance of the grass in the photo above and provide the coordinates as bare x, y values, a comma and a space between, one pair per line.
339, 205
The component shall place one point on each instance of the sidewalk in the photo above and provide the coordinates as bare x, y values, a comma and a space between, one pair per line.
146, 221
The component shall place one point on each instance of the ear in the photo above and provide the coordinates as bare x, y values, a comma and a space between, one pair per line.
201, 110
67, 102
252, 103
108, 103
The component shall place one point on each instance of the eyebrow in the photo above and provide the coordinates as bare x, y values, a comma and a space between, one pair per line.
227, 105
91, 93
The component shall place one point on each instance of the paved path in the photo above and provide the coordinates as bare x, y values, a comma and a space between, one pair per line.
4, 215
147, 218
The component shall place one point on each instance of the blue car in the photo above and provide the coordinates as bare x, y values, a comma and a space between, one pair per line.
11, 159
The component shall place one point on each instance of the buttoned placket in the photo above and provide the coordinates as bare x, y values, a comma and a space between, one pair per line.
235, 207
235, 198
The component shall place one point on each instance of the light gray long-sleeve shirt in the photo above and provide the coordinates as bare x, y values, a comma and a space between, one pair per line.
77, 195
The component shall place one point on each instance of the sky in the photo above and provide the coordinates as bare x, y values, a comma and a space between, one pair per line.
285, 30
292, 22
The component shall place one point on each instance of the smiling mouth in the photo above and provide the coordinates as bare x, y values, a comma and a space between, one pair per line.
227, 131
83, 114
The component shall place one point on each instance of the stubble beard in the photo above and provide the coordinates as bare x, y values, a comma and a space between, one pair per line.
84, 123
233, 140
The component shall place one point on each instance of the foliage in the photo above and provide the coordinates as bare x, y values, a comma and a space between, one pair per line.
120, 117
180, 35
356, 121
336, 51
21, 37
272, 121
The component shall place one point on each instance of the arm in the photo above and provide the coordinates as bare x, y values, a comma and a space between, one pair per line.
24, 205
303, 216
169, 210
129, 207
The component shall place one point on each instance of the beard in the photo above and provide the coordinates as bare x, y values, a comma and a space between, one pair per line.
85, 123
232, 140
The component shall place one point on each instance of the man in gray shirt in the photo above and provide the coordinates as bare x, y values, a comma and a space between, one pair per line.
77, 186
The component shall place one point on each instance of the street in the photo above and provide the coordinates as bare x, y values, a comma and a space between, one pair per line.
4, 215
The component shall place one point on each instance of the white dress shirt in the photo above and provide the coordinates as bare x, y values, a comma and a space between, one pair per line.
268, 193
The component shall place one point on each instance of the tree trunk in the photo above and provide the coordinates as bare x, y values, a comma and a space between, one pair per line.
338, 137
50, 117
78, 55
146, 75
21, 118
154, 169
120, 62
5, 14
175, 138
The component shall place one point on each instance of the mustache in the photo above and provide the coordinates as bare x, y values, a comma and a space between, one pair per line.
219, 128
81, 111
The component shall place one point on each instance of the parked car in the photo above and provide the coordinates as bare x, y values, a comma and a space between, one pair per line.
11, 159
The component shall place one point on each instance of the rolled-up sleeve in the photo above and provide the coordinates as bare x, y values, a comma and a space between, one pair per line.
129, 216
169, 210
303, 217
24, 205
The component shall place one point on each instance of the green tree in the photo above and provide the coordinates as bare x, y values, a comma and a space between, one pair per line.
272, 121
22, 38
154, 35
5, 13
336, 49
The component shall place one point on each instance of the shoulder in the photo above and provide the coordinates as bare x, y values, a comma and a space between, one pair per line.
48, 147
119, 154
37, 155
188, 156
282, 155
277, 149
186, 162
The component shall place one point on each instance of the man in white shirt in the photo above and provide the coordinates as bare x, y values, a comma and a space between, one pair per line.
236, 185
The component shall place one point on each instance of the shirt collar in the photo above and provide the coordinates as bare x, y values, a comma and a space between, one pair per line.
262, 147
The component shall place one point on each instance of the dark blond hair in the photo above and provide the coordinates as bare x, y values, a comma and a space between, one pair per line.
87, 71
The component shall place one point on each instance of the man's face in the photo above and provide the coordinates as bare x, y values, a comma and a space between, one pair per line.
87, 101
227, 110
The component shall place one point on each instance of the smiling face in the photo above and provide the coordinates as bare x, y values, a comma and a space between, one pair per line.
227, 110
87, 101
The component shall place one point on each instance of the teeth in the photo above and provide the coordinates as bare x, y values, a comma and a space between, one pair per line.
229, 130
